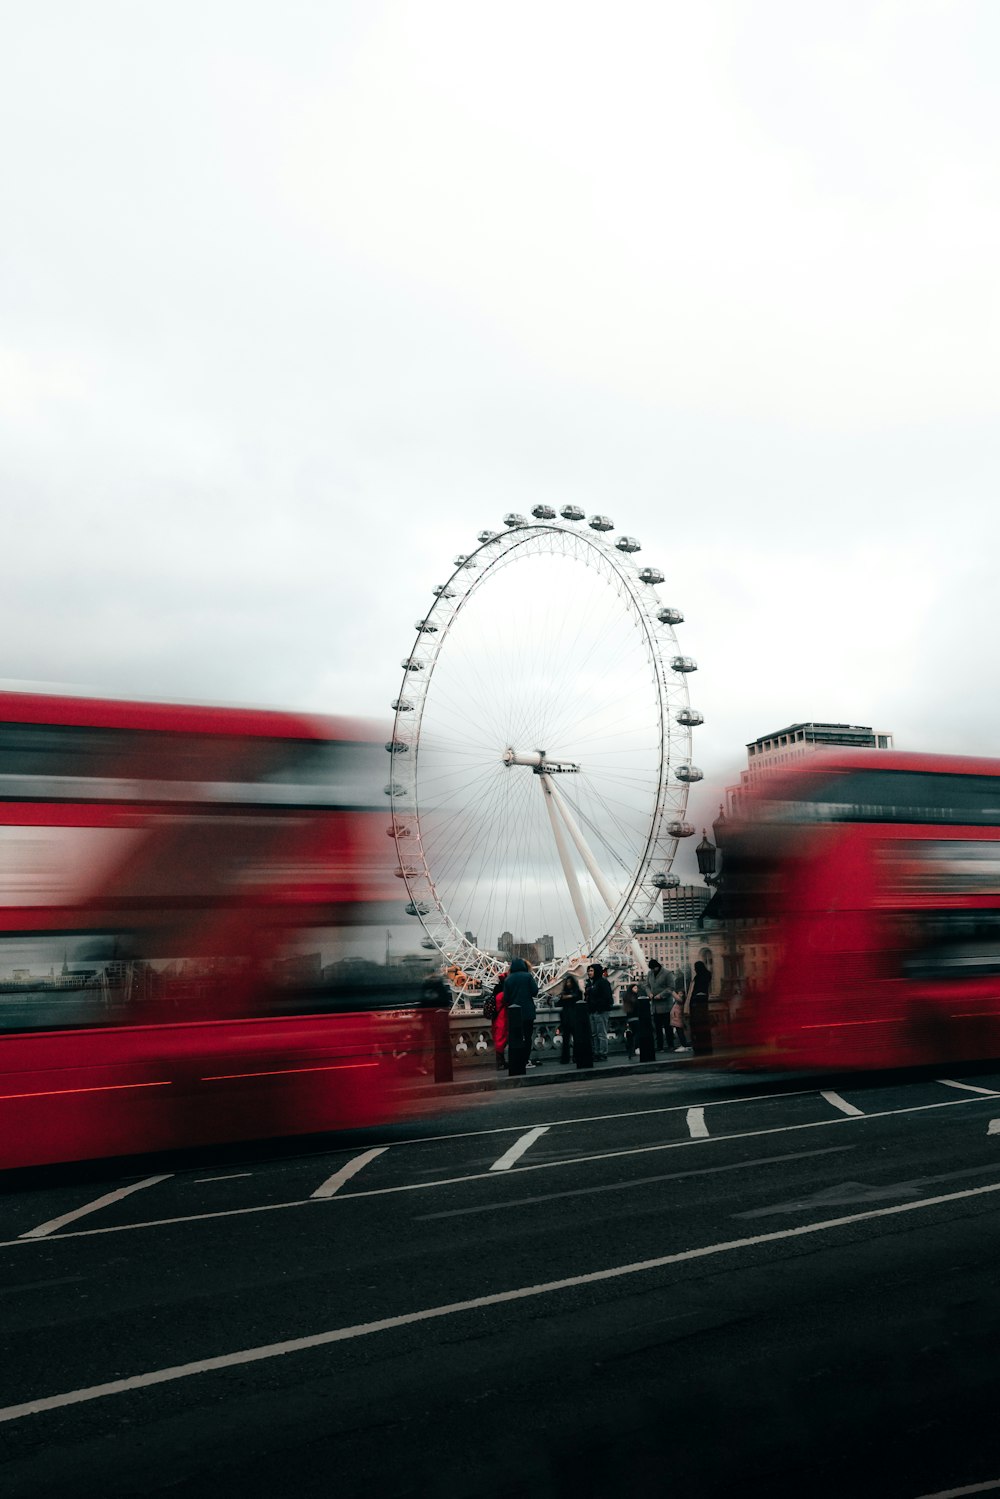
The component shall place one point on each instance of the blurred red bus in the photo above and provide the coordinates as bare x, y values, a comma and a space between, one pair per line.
866, 890
174, 881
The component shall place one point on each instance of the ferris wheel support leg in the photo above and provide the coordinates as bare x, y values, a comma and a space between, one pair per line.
593, 868
576, 894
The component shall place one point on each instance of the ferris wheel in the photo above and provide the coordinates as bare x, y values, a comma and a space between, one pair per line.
541, 750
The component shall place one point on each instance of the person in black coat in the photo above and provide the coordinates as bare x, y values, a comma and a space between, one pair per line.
599, 1002
569, 995
696, 1010
660, 984
519, 993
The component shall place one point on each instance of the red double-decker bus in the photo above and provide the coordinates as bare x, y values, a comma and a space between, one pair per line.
867, 889
176, 884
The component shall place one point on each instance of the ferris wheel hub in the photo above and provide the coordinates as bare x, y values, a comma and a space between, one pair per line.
539, 761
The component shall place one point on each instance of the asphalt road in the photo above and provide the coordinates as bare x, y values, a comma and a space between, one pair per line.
661, 1284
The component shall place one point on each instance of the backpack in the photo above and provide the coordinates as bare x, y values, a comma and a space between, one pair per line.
490, 1007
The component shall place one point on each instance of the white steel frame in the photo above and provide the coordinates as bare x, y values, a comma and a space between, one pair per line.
628, 908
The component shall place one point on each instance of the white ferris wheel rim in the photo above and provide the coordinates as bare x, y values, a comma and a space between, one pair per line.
629, 906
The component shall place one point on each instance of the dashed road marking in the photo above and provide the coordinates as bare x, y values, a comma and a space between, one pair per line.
994, 1127
91, 1207
841, 1103
334, 1183
969, 1087
518, 1148
627, 1186
477, 1303
230, 1178
697, 1127
458, 1181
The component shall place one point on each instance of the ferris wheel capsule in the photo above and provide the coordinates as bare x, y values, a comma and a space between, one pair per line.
666, 881
683, 664
442, 591
428, 944
543, 512
401, 705
417, 908
485, 536
601, 523
680, 829
464, 560
426, 627
397, 747
572, 512
394, 789
690, 717
628, 544
512, 519
689, 773
398, 830
670, 616
650, 575
412, 663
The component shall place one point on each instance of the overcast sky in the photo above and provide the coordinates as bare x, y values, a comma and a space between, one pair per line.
297, 297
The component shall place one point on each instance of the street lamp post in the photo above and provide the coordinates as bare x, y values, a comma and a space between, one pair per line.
706, 853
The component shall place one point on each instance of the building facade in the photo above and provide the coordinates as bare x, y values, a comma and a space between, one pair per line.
789, 745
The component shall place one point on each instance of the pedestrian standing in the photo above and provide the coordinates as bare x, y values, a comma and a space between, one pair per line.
599, 1002
660, 983
498, 1024
677, 1031
569, 995
630, 1004
696, 1010
519, 993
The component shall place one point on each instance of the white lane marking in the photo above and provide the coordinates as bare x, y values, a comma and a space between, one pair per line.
432, 1313
696, 1124
841, 1103
638, 1181
458, 1181
674, 1108
994, 1127
518, 1148
92, 1207
230, 1178
969, 1087
334, 1183
972, 1488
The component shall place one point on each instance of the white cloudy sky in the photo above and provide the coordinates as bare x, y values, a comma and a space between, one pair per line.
295, 297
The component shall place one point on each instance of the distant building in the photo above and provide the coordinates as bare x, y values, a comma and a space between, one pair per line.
678, 936
785, 746
683, 905
471, 937
542, 950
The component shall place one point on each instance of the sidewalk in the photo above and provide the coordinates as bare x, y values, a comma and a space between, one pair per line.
549, 1072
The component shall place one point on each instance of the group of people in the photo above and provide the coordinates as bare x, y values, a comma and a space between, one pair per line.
680, 1014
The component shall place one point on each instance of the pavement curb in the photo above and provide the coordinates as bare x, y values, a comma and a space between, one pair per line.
556, 1075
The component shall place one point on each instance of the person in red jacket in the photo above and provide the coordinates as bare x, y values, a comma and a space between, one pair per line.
499, 1024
